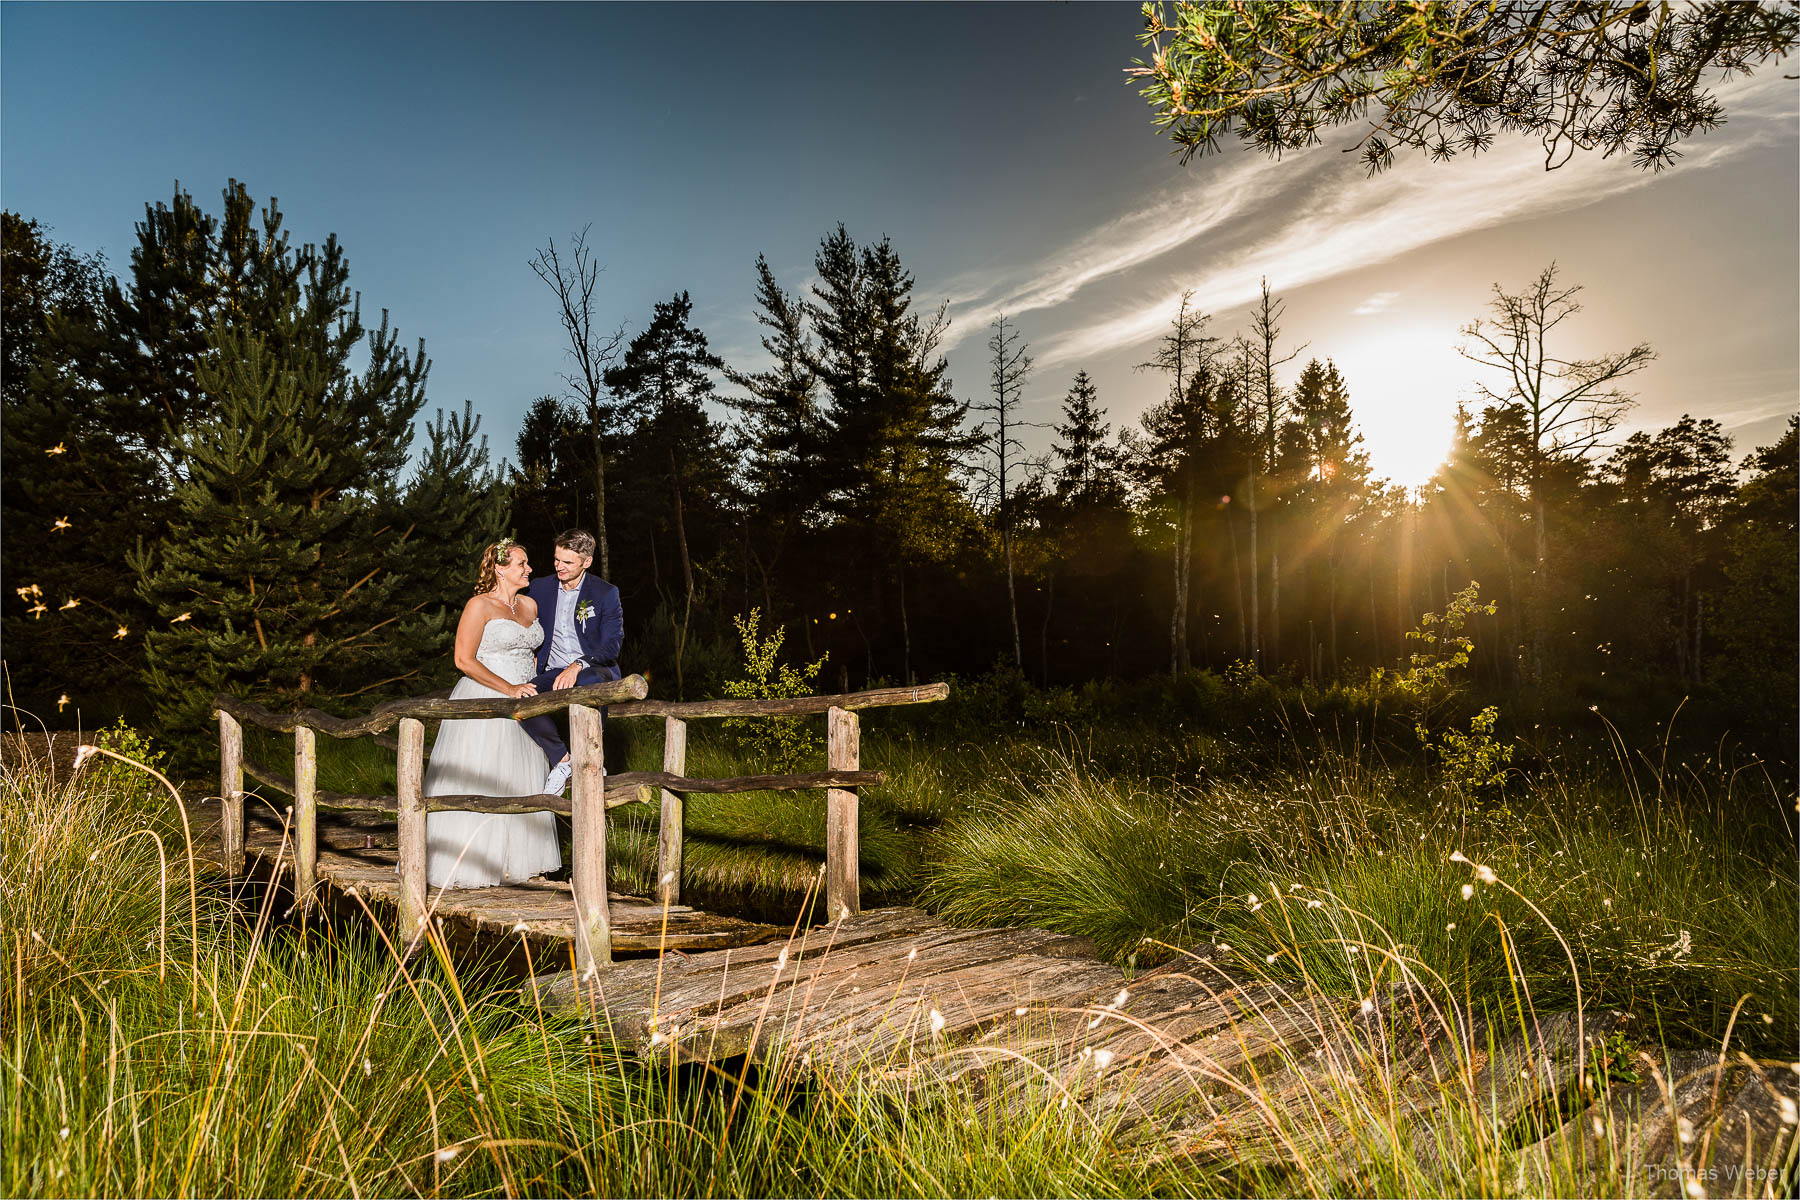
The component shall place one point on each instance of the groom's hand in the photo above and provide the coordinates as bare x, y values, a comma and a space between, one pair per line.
565, 679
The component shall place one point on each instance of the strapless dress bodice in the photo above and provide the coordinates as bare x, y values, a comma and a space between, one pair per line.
509, 649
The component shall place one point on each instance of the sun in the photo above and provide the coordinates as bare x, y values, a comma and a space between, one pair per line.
1404, 382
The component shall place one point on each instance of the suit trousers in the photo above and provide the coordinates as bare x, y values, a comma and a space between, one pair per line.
542, 728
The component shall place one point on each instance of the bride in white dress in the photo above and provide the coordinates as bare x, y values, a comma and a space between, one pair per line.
496, 650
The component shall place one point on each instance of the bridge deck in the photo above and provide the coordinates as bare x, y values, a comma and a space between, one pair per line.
357, 867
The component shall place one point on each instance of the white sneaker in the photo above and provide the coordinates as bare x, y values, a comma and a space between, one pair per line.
557, 782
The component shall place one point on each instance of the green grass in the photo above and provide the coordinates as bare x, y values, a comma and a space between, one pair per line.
160, 1039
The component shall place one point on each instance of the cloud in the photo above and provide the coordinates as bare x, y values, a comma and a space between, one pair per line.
1380, 302
1314, 215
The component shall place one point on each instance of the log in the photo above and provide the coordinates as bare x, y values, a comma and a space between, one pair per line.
231, 793
792, 706
306, 817
410, 776
843, 864
434, 707
668, 835
587, 875
627, 787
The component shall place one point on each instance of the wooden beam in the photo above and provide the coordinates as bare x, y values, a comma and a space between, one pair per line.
306, 817
587, 874
843, 853
433, 707
409, 773
231, 792
789, 707
627, 787
668, 835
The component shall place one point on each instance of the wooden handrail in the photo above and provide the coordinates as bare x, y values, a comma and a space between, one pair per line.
626, 787
436, 707
790, 706
623, 698
594, 792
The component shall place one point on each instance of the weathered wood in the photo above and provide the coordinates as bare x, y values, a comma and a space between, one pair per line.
627, 787
231, 793
843, 864
593, 933
306, 817
668, 830
793, 706
435, 707
409, 774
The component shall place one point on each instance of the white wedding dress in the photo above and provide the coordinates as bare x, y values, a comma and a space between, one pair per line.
491, 757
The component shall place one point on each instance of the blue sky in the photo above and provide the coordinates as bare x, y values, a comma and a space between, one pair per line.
999, 146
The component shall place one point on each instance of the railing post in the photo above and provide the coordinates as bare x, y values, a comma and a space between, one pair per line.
409, 776
593, 920
231, 793
843, 866
306, 816
668, 838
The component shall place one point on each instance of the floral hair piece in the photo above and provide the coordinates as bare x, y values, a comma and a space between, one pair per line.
502, 549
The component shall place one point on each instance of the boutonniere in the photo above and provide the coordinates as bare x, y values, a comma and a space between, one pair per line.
583, 613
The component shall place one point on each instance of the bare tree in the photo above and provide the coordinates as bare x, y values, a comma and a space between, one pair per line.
1008, 367
1265, 332
573, 281
1569, 405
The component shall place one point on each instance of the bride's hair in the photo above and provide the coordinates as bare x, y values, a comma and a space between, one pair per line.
492, 559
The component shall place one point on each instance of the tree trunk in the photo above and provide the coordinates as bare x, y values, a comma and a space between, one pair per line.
600, 498
1274, 602
1175, 596
905, 632
1012, 599
1331, 575
1374, 606
1044, 633
1187, 575
1237, 587
1256, 646
1540, 595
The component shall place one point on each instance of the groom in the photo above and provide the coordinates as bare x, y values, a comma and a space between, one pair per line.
584, 628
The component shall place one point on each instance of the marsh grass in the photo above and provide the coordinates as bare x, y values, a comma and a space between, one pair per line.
161, 1038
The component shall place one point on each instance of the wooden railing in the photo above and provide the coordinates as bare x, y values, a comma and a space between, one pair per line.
592, 793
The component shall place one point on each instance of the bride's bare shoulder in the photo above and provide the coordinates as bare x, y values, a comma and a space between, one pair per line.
528, 608
480, 606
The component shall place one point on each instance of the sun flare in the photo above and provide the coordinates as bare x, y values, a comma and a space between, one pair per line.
1404, 386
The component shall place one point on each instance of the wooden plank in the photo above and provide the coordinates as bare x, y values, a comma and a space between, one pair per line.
409, 774
306, 817
593, 935
231, 793
438, 706
792, 706
669, 829
843, 861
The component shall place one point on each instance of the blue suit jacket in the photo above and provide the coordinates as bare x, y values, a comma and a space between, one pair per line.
601, 635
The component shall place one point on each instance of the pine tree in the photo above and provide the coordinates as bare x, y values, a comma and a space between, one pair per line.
893, 432
1089, 463
282, 577
1008, 368
780, 430
673, 455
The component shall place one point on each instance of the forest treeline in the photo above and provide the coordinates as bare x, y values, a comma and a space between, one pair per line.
213, 457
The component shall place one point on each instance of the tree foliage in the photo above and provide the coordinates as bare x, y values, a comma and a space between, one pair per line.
1446, 78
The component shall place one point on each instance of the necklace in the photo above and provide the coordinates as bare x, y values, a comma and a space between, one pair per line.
512, 606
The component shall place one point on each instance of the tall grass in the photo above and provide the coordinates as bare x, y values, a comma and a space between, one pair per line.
165, 1036
1667, 902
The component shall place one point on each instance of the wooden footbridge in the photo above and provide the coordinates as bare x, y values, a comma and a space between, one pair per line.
1199, 1057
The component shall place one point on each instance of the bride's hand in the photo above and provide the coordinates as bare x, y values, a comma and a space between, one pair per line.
522, 690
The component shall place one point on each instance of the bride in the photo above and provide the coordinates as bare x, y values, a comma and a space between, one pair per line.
496, 650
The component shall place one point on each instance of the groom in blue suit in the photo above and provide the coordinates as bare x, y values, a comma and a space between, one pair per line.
584, 626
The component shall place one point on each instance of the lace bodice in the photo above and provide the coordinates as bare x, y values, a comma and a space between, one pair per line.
509, 649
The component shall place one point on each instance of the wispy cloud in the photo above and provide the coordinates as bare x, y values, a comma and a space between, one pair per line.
1314, 216
1380, 302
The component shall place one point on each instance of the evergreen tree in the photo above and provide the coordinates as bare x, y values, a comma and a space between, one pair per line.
1089, 463
71, 488
283, 575
673, 455
1008, 368
893, 432
554, 479
1328, 472
780, 428
1757, 626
